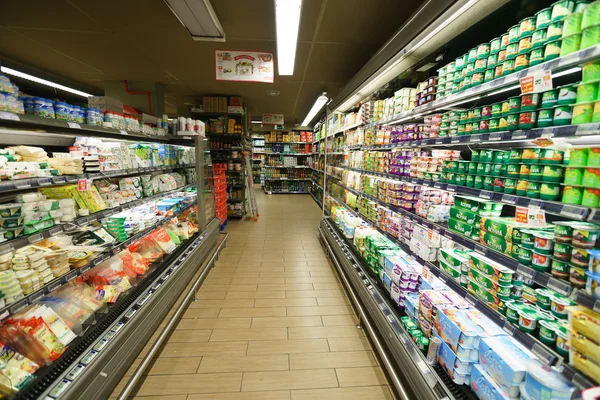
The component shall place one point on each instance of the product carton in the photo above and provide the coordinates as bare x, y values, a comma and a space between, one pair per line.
494, 270
460, 214
236, 101
456, 329
463, 228
485, 387
429, 301
482, 207
495, 242
506, 228
448, 360
504, 359
235, 110
411, 306
458, 259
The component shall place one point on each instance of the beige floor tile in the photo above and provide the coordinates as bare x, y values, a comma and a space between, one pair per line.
172, 397
358, 393
366, 376
212, 323
168, 366
256, 295
294, 294
333, 301
232, 335
323, 332
304, 379
245, 303
270, 395
307, 268
257, 281
217, 280
348, 359
288, 286
349, 343
324, 272
340, 320
211, 295
328, 286
312, 279
283, 274
253, 312
299, 302
295, 263
202, 349
319, 310
190, 336
288, 346
227, 288
272, 362
190, 383
286, 322
201, 313
264, 271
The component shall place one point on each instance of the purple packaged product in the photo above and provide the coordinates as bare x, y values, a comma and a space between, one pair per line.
413, 285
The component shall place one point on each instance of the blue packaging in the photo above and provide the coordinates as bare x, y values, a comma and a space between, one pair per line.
387, 282
456, 329
411, 305
485, 387
504, 360
450, 361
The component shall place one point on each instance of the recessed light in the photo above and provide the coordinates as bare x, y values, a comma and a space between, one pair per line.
272, 92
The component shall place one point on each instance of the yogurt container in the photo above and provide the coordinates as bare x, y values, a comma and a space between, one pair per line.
585, 235
590, 36
543, 242
567, 94
547, 332
591, 71
528, 319
563, 115
572, 24
540, 262
570, 44
577, 277
572, 195
582, 113
591, 197
543, 18
562, 251
513, 34
559, 305
561, 9
552, 50
560, 269
587, 91
495, 45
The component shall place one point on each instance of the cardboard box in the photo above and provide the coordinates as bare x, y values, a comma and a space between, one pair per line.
236, 101
222, 104
235, 110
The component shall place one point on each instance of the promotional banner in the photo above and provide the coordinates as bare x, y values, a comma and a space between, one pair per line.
272, 119
244, 66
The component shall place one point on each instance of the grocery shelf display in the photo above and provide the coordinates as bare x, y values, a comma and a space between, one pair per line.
103, 222
258, 158
463, 214
287, 161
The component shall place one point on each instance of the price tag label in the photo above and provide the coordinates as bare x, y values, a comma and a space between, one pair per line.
455, 140
439, 141
543, 354
71, 275
520, 135
559, 286
18, 306
9, 116
486, 195
475, 139
55, 231
437, 185
73, 125
537, 82
123, 132
45, 182
59, 179
59, 389
75, 372
479, 249
22, 184
495, 136
36, 296
497, 82
85, 268
525, 271
509, 199
53, 286
451, 188
509, 328
548, 133
471, 299
35, 238
573, 212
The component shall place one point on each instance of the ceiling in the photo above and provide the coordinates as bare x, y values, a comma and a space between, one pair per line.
93, 41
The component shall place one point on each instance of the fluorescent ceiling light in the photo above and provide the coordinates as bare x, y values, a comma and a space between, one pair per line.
321, 101
257, 122
199, 18
32, 78
287, 21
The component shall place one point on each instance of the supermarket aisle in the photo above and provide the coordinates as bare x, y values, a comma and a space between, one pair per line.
271, 321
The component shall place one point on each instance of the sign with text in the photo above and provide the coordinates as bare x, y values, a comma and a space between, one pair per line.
244, 66
83, 185
531, 216
273, 119
539, 81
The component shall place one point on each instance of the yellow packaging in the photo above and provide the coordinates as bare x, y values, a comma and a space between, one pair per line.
584, 321
585, 346
585, 365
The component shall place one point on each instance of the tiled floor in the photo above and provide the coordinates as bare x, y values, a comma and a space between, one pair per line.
271, 322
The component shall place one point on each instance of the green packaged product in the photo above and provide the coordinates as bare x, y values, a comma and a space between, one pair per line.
572, 195
450, 270
488, 183
550, 98
590, 37
533, 189
496, 243
470, 181
591, 15
482, 293
553, 173
539, 38
536, 172
552, 50
536, 56
463, 215
494, 287
570, 44
422, 343
543, 18
461, 227
485, 208
582, 113
545, 117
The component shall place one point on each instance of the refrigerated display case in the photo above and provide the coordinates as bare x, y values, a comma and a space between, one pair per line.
135, 230
451, 202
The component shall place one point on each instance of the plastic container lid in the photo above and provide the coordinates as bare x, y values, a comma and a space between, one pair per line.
549, 378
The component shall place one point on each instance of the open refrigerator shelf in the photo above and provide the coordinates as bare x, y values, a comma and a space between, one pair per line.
419, 379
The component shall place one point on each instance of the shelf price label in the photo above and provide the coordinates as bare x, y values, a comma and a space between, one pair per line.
73, 125
495, 136
537, 82
9, 116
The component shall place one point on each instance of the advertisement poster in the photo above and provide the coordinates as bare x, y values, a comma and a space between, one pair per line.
272, 119
244, 66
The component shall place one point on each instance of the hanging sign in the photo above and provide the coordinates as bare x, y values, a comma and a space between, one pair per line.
272, 119
244, 66
534, 218
539, 81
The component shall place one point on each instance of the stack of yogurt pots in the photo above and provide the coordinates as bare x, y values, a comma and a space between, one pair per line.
582, 177
532, 41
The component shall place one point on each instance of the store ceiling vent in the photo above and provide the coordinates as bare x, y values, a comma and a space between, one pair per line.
199, 18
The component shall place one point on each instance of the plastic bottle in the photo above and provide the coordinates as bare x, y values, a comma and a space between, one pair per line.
61, 112
29, 105
49, 106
